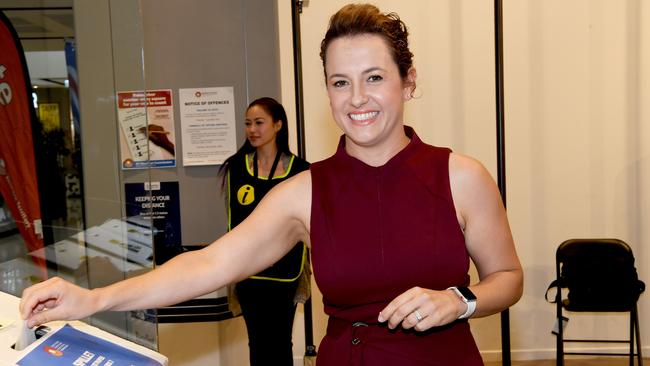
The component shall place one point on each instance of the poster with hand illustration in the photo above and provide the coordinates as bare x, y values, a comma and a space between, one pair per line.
147, 138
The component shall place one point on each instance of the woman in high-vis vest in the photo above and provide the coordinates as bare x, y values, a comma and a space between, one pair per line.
267, 300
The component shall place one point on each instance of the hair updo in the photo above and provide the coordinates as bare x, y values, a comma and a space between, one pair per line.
358, 19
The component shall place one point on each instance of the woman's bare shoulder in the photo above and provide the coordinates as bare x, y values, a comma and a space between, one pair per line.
467, 173
293, 196
300, 184
462, 166
472, 186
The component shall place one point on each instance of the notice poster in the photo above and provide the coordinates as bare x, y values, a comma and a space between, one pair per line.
157, 205
207, 125
147, 124
71, 347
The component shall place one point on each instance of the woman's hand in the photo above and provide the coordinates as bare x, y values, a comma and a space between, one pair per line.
56, 299
421, 309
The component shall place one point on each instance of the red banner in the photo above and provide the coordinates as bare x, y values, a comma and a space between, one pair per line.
18, 180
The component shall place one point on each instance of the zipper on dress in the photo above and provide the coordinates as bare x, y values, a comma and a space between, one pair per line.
378, 176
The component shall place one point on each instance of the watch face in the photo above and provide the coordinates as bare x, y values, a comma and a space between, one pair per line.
467, 294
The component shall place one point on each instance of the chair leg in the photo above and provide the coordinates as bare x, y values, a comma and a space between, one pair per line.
638, 337
560, 335
560, 349
631, 358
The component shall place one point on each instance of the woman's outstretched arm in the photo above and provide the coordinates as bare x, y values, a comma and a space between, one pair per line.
280, 220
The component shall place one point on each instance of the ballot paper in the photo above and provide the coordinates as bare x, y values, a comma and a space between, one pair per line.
69, 346
25, 337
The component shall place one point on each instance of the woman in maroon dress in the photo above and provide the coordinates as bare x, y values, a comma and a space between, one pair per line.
392, 223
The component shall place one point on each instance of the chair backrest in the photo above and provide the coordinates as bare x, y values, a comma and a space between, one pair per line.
599, 274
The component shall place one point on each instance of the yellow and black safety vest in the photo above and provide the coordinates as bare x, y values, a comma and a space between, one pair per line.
245, 191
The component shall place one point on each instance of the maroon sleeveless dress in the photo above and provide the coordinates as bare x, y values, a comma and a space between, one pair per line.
375, 233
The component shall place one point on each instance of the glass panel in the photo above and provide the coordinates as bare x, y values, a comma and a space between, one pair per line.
45, 174
125, 153
90, 236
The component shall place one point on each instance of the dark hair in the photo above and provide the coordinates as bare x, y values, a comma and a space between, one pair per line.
358, 19
277, 113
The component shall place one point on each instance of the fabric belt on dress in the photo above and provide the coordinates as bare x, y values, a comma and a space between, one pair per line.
357, 333
360, 337
354, 330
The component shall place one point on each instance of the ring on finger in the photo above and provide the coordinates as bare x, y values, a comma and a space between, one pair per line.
418, 316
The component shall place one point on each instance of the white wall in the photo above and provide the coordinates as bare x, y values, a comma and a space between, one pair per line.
577, 85
578, 136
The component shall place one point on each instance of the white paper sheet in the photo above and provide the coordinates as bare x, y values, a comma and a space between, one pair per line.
25, 337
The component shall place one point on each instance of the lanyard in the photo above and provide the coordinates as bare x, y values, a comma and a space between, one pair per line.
275, 164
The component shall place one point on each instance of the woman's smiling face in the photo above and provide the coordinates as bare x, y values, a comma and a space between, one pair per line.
366, 91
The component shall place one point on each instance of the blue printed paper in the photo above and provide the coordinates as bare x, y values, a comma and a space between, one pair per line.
71, 347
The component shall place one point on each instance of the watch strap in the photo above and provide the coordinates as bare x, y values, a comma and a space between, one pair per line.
471, 304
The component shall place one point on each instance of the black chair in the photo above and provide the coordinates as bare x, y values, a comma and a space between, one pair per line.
601, 277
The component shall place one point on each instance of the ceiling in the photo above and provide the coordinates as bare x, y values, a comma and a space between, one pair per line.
42, 27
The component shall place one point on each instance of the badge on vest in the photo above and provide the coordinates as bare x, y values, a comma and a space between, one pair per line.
246, 195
